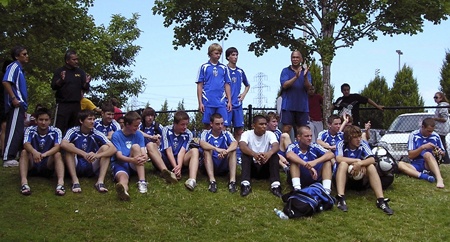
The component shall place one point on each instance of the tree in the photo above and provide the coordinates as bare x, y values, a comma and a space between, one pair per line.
181, 105
375, 90
164, 117
310, 26
404, 92
49, 28
445, 75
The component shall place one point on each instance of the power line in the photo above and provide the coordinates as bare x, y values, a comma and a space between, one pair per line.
260, 78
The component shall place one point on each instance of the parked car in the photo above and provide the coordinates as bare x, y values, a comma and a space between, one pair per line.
396, 137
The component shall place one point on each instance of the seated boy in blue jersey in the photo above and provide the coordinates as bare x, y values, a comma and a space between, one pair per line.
130, 157
175, 149
107, 124
41, 154
88, 152
352, 151
421, 144
283, 139
328, 138
220, 153
213, 87
237, 77
152, 133
310, 162
259, 157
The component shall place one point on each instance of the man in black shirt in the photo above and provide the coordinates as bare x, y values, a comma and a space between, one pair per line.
349, 103
68, 82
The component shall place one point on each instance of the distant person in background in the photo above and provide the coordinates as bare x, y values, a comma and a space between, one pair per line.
349, 103
16, 105
121, 122
237, 77
315, 102
87, 104
295, 81
421, 144
68, 82
441, 117
117, 112
213, 87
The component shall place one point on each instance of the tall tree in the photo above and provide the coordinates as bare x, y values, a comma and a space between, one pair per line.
310, 26
445, 75
375, 90
404, 92
181, 105
49, 28
164, 117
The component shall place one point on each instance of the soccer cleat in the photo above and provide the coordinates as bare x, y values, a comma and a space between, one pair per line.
245, 190
121, 193
232, 186
276, 191
341, 204
190, 184
212, 186
385, 207
142, 186
10, 163
169, 176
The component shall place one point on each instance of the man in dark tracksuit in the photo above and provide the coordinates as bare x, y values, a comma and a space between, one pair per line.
69, 81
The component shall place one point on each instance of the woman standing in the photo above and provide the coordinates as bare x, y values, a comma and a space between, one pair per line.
441, 117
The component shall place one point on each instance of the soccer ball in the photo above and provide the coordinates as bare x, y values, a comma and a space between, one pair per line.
386, 164
356, 177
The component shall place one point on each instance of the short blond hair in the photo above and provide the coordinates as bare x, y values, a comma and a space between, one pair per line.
214, 47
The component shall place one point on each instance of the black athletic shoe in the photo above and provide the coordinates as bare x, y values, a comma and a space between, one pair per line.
385, 207
245, 190
341, 204
232, 187
212, 186
276, 191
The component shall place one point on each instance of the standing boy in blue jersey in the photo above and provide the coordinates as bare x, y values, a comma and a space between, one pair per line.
41, 154
152, 131
421, 144
88, 152
16, 104
295, 81
220, 153
175, 149
130, 157
310, 162
213, 87
107, 124
237, 77
352, 151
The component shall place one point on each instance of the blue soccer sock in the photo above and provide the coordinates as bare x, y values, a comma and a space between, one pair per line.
427, 177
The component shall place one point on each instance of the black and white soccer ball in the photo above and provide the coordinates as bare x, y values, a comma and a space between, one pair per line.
386, 164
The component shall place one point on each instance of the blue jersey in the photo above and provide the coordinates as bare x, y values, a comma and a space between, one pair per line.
237, 77
90, 142
314, 151
213, 78
16, 77
294, 98
277, 133
153, 129
416, 139
223, 141
170, 139
42, 143
326, 137
105, 129
123, 143
362, 152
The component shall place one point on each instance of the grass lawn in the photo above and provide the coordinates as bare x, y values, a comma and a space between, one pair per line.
172, 213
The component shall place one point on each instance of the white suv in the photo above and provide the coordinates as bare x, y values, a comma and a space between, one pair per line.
396, 137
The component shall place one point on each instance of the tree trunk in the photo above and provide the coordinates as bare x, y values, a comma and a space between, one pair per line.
327, 107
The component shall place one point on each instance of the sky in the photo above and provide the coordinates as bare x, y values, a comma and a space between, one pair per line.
171, 74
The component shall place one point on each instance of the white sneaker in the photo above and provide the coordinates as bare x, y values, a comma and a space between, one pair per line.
142, 186
190, 184
10, 163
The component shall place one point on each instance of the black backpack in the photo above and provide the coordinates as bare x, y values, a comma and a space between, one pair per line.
307, 201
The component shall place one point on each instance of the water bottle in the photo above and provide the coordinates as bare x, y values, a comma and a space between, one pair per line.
280, 214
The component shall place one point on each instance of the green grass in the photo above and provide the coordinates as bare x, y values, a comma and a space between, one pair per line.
172, 213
